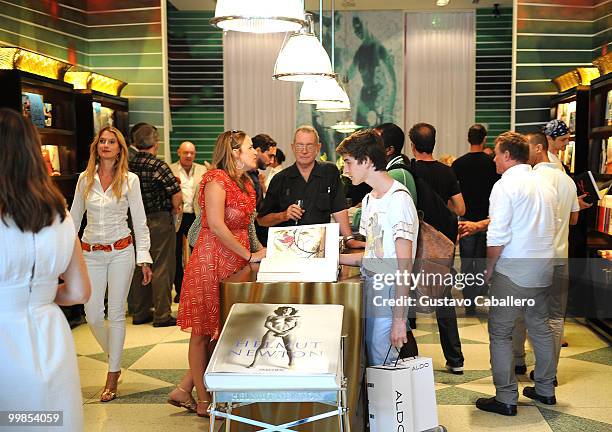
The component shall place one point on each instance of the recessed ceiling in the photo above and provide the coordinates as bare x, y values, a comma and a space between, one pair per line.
364, 4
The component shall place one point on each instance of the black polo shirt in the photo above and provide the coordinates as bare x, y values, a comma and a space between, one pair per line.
323, 194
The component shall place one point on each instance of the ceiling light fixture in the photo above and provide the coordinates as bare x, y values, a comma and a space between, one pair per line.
259, 16
302, 56
346, 126
442, 2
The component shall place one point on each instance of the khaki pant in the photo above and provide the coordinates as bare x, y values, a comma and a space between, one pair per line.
502, 320
556, 319
158, 294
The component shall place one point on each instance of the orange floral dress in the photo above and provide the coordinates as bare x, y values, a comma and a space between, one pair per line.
211, 261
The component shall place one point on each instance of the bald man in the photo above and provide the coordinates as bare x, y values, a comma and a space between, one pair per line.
190, 175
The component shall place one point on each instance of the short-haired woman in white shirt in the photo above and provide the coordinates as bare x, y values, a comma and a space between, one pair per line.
106, 190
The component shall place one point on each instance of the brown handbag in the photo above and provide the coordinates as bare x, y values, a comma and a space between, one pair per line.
433, 263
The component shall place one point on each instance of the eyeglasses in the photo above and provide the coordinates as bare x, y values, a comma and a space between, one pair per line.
308, 147
233, 138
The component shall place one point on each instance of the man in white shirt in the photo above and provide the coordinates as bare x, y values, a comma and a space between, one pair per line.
190, 174
567, 213
520, 253
558, 137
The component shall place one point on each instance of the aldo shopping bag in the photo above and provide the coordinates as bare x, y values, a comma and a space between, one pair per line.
402, 397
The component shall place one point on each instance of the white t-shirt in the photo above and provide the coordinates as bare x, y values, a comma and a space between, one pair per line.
383, 220
554, 159
567, 202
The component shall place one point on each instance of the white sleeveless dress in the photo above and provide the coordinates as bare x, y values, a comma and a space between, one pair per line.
38, 363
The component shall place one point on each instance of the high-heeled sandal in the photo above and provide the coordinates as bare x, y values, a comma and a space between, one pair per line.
109, 394
189, 405
208, 408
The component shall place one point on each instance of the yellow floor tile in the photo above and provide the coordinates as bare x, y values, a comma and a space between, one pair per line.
141, 418
93, 380
470, 418
164, 356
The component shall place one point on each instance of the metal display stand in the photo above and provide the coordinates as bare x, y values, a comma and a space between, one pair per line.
223, 402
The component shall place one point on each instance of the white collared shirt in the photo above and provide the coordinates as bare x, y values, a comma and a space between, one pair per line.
107, 216
188, 187
567, 202
554, 159
523, 220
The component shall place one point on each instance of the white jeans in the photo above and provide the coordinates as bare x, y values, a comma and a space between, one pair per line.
113, 270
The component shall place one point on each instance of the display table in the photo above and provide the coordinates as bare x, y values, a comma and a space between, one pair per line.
241, 287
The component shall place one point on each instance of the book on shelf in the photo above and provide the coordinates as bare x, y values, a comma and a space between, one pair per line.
604, 215
33, 108
585, 184
606, 156
608, 111
278, 347
301, 253
103, 116
48, 111
50, 155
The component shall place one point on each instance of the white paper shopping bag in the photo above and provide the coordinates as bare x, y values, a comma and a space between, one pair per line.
423, 392
402, 396
390, 398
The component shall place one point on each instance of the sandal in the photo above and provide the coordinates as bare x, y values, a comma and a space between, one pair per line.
208, 408
189, 405
109, 393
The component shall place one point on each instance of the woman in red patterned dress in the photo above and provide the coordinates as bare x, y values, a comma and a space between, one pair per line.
227, 199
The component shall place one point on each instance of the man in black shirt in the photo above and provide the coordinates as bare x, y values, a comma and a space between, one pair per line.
443, 181
317, 184
477, 175
266, 149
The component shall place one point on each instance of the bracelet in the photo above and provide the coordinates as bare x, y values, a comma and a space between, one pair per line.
250, 256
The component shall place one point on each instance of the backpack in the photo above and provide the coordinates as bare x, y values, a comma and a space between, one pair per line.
435, 211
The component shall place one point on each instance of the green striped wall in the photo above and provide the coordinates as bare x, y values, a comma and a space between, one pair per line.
493, 70
553, 37
602, 27
123, 41
195, 51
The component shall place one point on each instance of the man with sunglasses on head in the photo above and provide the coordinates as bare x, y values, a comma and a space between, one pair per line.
313, 183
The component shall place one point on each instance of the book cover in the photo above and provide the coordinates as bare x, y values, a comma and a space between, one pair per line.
301, 253
585, 184
102, 115
609, 109
277, 346
33, 108
48, 114
50, 155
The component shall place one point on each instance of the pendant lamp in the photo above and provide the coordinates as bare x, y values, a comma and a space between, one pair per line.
333, 106
302, 57
259, 16
346, 126
319, 90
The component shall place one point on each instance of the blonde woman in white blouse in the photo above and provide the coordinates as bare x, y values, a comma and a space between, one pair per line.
106, 190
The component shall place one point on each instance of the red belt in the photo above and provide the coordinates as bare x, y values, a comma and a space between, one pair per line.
118, 245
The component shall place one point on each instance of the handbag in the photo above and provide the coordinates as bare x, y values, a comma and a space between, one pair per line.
194, 230
434, 259
402, 396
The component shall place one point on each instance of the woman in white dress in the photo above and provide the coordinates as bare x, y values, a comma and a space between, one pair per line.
106, 190
38, 245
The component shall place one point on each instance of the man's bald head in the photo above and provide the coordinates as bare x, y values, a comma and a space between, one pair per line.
187, 153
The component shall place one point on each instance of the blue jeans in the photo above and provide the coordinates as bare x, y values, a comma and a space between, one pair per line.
378, 322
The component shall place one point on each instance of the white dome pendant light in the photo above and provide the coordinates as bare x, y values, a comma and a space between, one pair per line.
302, 57
259, 16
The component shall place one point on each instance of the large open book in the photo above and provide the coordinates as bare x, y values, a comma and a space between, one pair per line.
278, 347
301, 253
